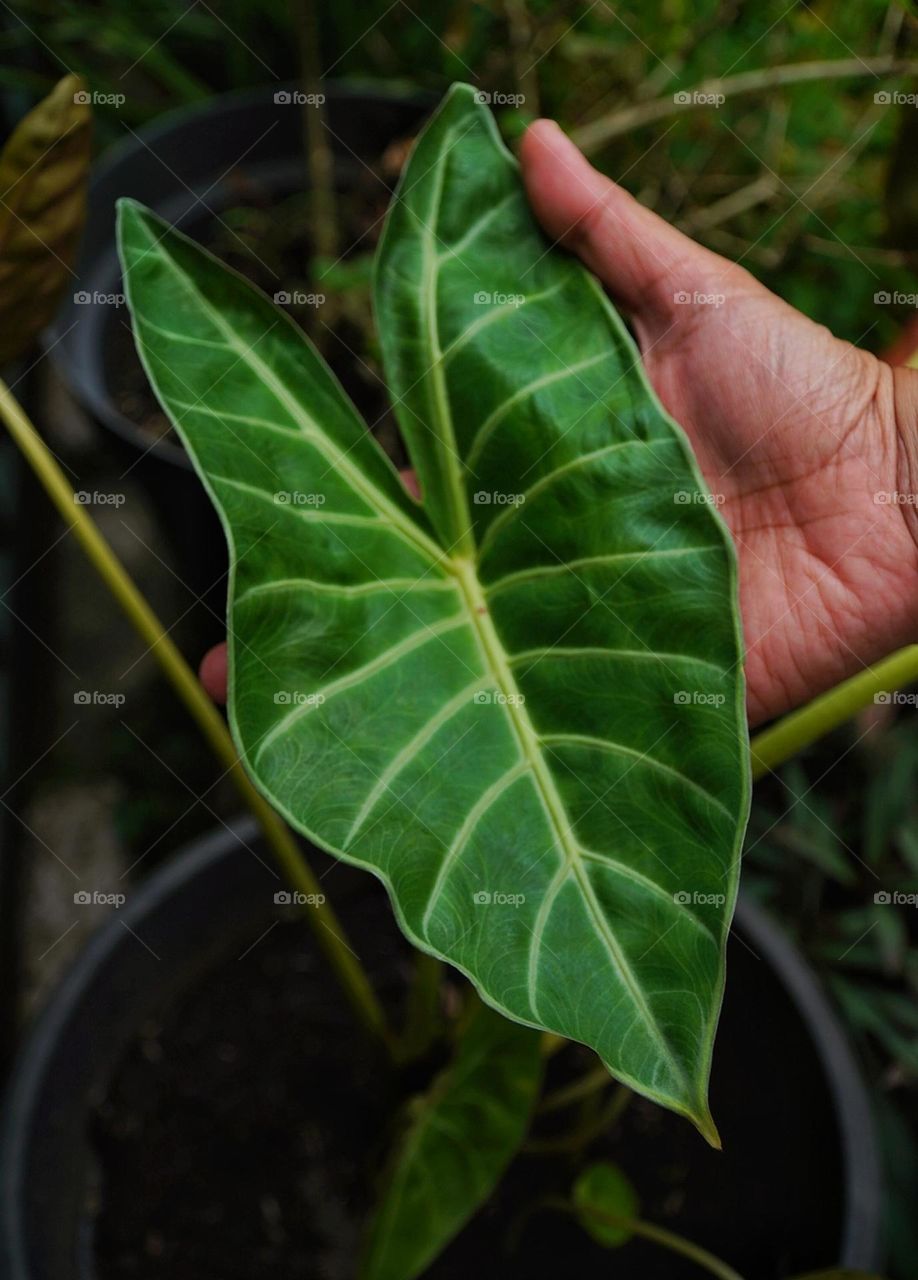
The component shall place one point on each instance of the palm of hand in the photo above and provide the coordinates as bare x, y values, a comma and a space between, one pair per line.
796, 430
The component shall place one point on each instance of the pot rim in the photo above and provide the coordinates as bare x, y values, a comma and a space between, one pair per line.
81, 383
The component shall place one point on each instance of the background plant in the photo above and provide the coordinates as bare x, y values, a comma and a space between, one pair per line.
591, 62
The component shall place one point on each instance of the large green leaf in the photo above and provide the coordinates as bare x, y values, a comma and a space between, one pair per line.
460, 1137
526, 719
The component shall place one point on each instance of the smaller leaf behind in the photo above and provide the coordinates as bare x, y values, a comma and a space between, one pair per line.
461, 1136
43, 171
606, 1202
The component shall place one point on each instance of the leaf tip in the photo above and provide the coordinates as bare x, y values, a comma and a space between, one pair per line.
704, 1123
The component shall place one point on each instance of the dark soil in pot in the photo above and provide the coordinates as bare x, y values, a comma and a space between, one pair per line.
243, 1127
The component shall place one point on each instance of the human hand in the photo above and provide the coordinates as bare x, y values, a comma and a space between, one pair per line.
795, 430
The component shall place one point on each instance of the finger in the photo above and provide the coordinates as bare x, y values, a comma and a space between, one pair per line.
410, 481
643, 261
212, 672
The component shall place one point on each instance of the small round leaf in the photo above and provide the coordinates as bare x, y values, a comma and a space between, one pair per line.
606, 1204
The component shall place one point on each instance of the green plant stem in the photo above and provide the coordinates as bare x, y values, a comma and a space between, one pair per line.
596, 1120
593, 1081
658, 1235
773, 746
675, 1243
422, 1020
521, 45
299, 874
319, 158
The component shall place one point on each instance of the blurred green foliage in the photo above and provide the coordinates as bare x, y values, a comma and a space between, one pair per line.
821, 237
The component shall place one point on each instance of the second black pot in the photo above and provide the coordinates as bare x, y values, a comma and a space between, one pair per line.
797, 1186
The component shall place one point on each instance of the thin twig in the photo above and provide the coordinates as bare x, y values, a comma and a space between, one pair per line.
327, 928
595, 134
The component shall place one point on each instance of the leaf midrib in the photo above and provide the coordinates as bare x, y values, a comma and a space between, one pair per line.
454, 488
492, 651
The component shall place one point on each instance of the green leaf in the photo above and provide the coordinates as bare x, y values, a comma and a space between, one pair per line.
606, 1202
528, 720
43, 170
462, 1135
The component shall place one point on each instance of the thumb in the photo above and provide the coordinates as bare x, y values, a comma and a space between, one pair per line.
646, 264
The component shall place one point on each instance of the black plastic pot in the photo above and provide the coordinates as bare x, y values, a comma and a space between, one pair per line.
179, 921
188, 166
